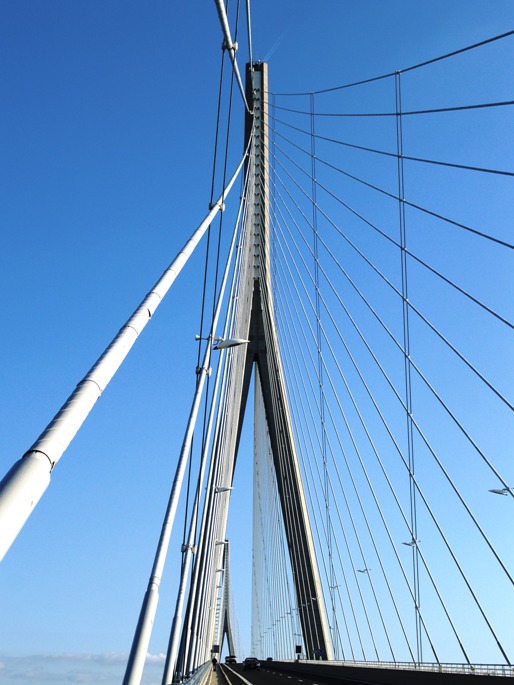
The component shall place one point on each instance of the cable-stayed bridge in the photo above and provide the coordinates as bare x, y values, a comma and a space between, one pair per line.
363, 300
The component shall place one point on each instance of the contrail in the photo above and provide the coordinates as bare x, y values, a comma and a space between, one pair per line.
274, 47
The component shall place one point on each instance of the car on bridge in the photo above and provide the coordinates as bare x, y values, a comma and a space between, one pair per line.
251, 662
231, 659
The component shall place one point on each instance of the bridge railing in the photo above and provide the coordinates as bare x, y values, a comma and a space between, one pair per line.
201, 675
502, 670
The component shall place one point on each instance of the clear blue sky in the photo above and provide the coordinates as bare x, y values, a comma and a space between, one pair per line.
107, 129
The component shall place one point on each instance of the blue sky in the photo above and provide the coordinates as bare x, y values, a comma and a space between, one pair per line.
106, 155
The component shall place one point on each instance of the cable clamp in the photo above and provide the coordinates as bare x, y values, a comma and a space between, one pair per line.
226, 46
200, 369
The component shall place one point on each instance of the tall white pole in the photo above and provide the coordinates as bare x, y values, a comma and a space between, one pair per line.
24, 484
191, 657
171, 657
144, 627
231, 47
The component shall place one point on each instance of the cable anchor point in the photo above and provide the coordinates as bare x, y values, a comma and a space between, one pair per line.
226, 46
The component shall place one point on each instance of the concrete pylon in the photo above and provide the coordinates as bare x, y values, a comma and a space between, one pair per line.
226, 623
254, 320
263, 352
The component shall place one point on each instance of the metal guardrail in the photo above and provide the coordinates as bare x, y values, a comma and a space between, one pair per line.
502, 670
201, 675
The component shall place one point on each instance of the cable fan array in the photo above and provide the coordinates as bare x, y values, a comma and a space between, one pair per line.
391, 255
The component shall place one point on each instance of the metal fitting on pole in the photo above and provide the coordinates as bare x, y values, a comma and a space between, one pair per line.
226, 46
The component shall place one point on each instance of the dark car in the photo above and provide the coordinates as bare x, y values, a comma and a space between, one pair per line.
231, 659
270, 658
251, 662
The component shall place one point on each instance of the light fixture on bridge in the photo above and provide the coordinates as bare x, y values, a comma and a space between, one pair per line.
501, 491
230, 342
222, 488
221, 542
367, 570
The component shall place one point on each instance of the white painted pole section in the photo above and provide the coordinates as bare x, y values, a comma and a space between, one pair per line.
144, 627
171, 656
136, 661
24, 484
21, 490
231, 47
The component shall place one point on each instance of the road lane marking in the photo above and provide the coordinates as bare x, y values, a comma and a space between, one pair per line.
238, 675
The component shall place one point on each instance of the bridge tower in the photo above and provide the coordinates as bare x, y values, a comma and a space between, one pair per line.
226, 620
254, 321
263, 356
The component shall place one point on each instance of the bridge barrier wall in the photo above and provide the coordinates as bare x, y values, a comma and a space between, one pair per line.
393, 674
201, 675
